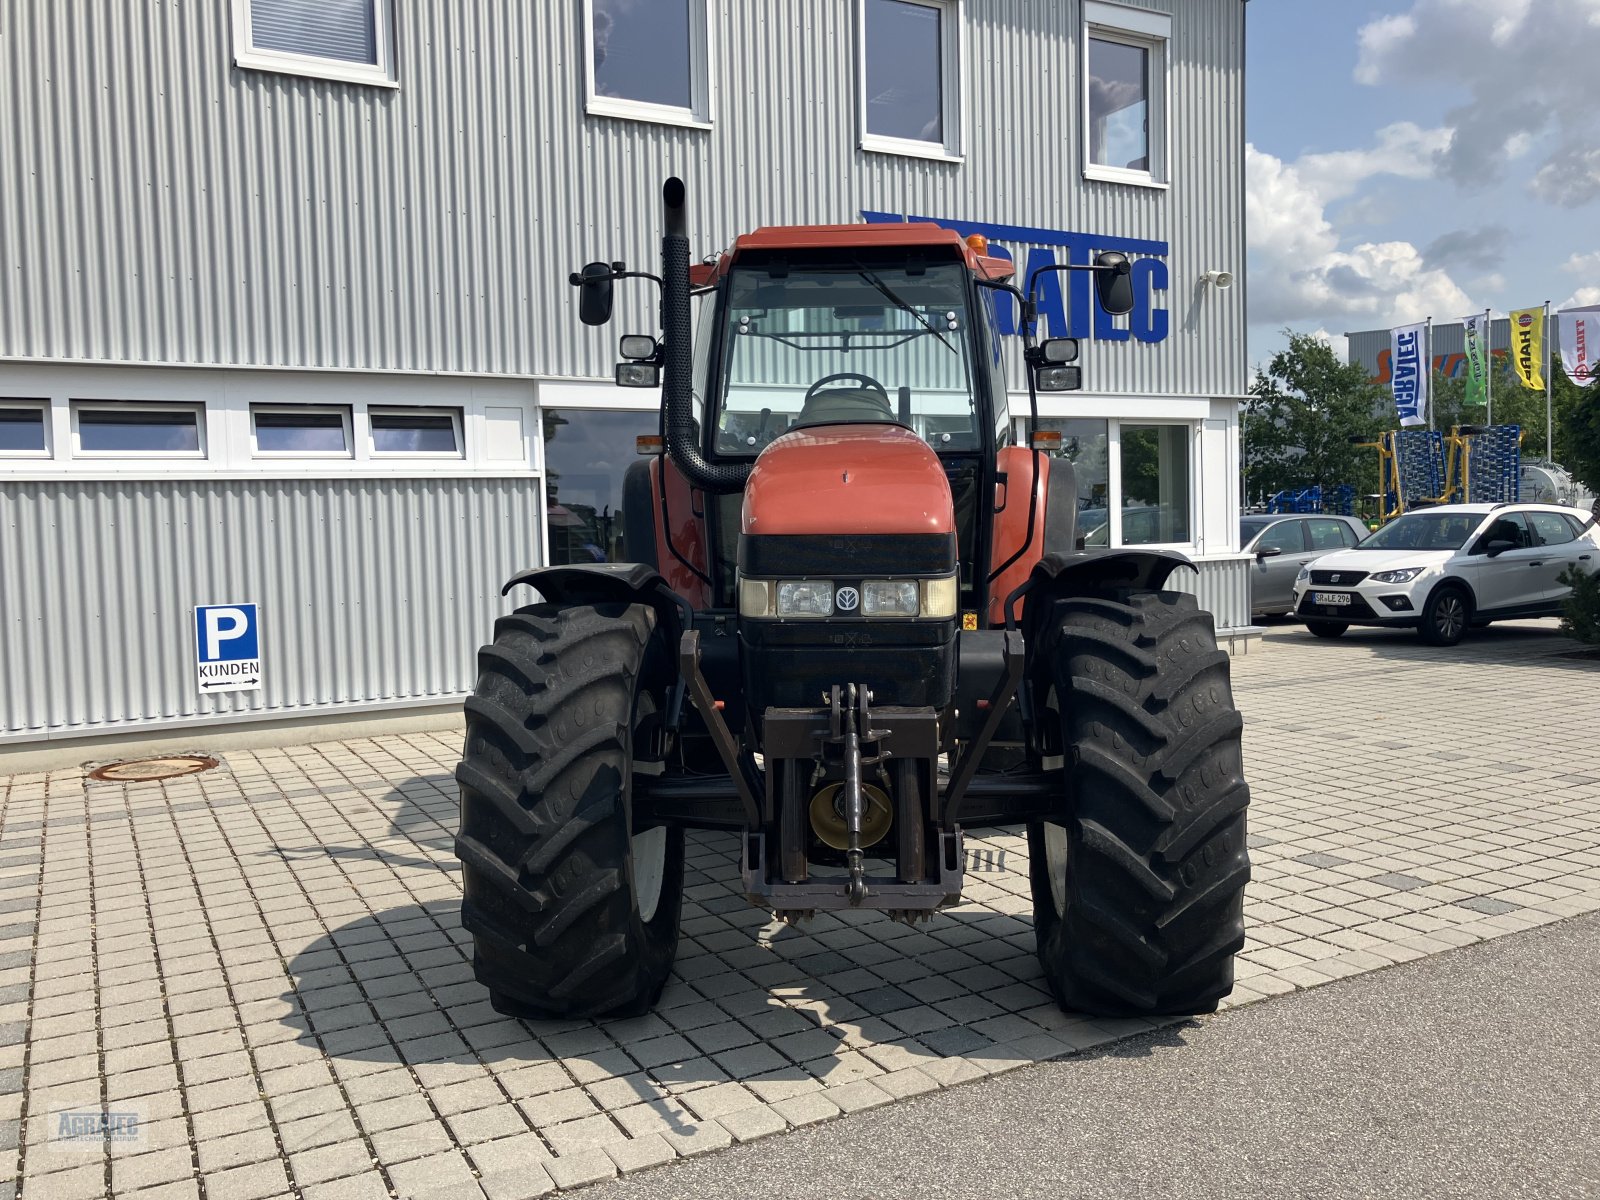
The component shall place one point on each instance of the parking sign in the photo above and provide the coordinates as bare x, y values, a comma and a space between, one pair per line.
227, 648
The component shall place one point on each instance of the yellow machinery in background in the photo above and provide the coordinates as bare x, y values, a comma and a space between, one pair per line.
1418, 468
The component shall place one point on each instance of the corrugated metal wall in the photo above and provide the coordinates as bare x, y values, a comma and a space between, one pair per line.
1222, 588
370, 591
162, 206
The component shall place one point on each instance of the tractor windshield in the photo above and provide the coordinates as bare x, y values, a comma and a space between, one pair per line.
847, 343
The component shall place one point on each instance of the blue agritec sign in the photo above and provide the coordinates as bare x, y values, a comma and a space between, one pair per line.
1149, 321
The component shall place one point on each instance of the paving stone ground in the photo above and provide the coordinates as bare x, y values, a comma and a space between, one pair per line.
252, 982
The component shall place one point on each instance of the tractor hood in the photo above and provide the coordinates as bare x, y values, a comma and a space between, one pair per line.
848, 479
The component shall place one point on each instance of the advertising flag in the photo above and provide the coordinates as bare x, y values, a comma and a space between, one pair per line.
1477, 352
1578, 331
1527, 346
1410, 373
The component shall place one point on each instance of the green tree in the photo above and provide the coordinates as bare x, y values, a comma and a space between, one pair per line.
1299, 419
1577, 415
1580, 612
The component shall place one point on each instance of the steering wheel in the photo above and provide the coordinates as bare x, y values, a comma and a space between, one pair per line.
871, 383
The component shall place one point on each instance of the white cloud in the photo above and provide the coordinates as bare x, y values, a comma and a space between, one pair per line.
1583, 264
1528, 72
1404, 150
1299, 269
1377, 39
1582, 298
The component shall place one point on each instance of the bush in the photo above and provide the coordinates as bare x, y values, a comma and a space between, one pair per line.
1581, 610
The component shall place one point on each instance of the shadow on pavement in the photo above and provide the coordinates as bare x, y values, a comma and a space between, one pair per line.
1539, 644
396, 988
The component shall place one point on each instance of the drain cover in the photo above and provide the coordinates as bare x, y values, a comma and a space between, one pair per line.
144, 770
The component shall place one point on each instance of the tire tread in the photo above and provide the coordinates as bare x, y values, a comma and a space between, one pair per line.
545, 818
1155, 808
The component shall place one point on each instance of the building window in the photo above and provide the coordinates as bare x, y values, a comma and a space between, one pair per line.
650, 61
434, 431
1124, 105
137, 429
586, 453
24, 429
1156, 493
347, 40
301, 431
911, 77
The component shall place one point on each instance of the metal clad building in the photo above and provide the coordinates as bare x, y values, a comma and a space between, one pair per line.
1371, 348
216, 224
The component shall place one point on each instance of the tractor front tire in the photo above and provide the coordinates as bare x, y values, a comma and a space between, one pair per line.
573, 912
1138, 892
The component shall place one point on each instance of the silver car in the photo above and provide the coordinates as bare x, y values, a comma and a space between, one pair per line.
1283, 543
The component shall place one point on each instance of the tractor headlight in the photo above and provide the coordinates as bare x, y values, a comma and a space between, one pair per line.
805, 598
877, 598
939, 597
889, 598
755, 598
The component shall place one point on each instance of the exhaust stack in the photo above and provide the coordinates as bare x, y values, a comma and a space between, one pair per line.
678, 330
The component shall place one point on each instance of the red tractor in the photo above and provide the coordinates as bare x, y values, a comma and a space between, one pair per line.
860, 621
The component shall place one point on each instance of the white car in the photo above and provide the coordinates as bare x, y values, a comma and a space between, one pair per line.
1446, 569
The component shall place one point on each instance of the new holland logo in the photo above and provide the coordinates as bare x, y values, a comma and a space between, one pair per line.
847, 598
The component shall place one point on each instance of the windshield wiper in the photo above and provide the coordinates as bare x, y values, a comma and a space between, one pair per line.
899, 303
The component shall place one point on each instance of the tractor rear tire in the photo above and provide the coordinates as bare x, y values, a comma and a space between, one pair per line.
573, 912
1138, 893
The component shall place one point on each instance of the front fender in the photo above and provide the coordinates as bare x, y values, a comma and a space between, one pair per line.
1082, 572
609, 583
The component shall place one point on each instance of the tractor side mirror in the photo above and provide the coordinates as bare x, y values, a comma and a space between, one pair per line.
594, 293
1113, 282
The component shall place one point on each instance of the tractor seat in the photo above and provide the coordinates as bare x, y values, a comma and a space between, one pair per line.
841, 406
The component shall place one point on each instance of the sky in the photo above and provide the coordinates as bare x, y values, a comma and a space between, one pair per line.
1416, 158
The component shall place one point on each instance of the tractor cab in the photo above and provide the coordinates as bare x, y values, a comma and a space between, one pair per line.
883, 326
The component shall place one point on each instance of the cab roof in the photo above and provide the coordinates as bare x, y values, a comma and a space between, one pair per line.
881, 236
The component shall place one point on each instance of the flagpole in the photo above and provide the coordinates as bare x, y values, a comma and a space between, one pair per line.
1427, 367
1549, 378
1488, 369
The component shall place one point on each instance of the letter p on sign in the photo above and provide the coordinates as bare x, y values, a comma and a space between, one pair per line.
224, 625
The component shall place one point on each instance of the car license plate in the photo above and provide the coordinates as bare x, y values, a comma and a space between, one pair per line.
1334, 599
